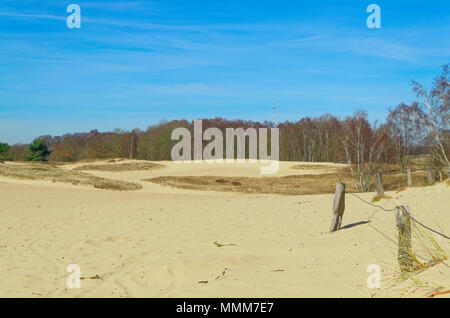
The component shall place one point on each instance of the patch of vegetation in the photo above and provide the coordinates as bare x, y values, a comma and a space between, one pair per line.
318, 183
378, 198
52, 173
128, 166
38, 151
288, 185
4, 149
425, 252
310, 167
394, 181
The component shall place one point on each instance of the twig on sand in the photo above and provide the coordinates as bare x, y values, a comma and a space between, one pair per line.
439, 293
222, 275
96, 276
223, 245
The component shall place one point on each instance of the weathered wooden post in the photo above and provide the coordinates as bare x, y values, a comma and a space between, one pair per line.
380, 190
409, 178
405, 252
430, 176
338, 207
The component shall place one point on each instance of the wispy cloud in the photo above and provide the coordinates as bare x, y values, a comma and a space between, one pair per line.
141, 6
208, 56
32, 16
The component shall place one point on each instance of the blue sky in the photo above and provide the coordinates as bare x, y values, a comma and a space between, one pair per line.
134, 63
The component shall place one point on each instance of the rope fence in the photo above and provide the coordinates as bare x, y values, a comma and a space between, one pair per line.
405, 210
403, 220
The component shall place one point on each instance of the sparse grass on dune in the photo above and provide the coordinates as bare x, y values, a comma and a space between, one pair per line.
377, 198
42, 163
393, 179
288, 185
38, 171
325, 182
424, 254
324, 168
428, 252
113, 167
395, 168
397, 181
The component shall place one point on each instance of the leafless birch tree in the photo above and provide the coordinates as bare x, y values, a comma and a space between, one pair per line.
436, 105
365, 148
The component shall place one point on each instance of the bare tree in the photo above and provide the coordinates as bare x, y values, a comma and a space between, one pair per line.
365, 149
406, 125
436, 104
132, 142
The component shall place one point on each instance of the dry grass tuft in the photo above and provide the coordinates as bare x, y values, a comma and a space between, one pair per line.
396, 181
120, 167
428, 251
377, 198
52, 173
402, 189
42, 163
425, 252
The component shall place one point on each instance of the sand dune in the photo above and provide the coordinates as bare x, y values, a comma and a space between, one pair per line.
160, 242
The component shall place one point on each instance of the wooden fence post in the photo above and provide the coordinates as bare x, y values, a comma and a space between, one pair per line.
405, 252
338, 207
430, 176
380, 190
409, 178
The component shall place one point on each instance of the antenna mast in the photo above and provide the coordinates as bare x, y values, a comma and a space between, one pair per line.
274, 123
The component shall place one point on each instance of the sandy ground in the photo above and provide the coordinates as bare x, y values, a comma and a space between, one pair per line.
159, 242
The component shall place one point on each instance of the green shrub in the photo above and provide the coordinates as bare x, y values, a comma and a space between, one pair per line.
4, 150
38, 151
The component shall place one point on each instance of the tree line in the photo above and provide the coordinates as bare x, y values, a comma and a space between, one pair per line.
420, 128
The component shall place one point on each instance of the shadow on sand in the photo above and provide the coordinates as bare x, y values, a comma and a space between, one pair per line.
349, 226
